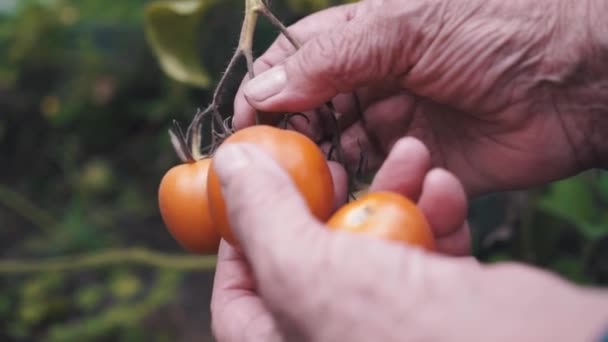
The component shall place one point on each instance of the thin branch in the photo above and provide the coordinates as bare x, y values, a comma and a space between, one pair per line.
288, 116
195, 144
277, 23
179, 143
337, 133
107, 258
252, 8
212, 108
220, 85
358, 108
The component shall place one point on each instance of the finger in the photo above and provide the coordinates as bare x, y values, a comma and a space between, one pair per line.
340, 183
302, 31
237, 312
269, 218
249, 175
356, 145
348, 57
444, 203
370, 105
390, 119
404, 169
457, 243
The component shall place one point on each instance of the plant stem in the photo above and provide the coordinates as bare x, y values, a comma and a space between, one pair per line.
277, 23
333, 114
252, 10
179, 143
220, 85
107, 258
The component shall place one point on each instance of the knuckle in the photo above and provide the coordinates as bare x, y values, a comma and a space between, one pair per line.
332, 56
359, 51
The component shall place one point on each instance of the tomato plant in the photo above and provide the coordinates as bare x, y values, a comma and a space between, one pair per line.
385, 215
299, 156
182, 198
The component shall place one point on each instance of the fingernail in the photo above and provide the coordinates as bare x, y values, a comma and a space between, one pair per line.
231, 159
266, 84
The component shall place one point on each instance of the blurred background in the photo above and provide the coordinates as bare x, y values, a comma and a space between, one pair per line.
88, 89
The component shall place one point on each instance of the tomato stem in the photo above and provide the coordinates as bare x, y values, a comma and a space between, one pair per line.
336, 145
179, 143
219, 129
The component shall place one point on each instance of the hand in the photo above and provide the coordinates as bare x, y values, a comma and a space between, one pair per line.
298, 281
500, 92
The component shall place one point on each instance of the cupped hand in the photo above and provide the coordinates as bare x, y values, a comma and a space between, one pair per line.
498, 90
295, 280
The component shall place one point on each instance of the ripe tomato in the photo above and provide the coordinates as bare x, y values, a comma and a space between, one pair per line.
182, 198
299, 156
385, 215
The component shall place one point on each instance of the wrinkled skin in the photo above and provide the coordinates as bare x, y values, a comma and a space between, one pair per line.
502, 94
297, 281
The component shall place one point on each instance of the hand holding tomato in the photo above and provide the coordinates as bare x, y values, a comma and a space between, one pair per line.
296, 280
503, 96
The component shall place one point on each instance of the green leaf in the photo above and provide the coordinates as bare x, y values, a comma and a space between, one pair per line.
602, 185
570, 200
171, 30
594, 231
571, 268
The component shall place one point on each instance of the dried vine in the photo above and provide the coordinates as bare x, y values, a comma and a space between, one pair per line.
187, 146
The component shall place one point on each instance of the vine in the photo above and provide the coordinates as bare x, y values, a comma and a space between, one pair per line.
187, 145
110, 257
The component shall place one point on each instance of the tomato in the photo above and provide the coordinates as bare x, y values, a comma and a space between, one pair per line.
384, 215
299, 156
182, 198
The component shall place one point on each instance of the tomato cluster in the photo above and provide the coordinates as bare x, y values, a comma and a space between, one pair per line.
193, 208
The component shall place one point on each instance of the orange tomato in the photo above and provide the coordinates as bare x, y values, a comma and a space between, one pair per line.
182, 198
384, 215
299, 156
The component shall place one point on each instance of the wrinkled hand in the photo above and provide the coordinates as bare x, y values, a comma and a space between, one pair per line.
500, 91
298, 281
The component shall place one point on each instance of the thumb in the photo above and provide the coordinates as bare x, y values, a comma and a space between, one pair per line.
367, 49
267, 214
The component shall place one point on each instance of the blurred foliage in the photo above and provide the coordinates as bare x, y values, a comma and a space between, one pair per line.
562, 227
84, 110
85, 104
172, 28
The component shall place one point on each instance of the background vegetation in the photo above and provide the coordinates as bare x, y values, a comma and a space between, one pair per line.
84, 110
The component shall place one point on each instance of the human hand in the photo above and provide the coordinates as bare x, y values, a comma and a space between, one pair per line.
298, 281
502, 95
